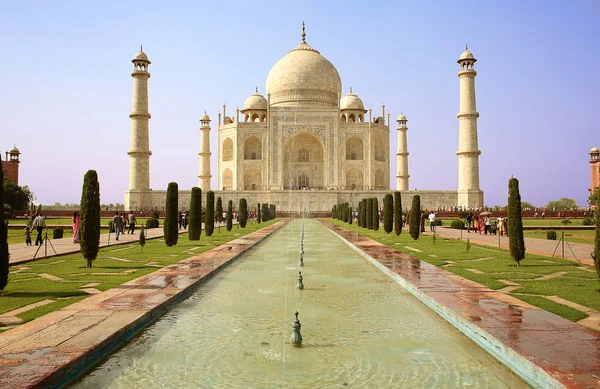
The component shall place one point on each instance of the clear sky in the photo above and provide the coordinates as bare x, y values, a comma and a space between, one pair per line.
65, 84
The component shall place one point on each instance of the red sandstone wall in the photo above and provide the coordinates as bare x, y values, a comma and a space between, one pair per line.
11, 170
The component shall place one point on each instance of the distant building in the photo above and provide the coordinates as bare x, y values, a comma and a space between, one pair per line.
595, 168
10, 165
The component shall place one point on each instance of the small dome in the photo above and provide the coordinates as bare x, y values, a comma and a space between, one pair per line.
351, 101
205, 117
14, 150
594, 150
141, 56
401, 118
466, 55
255, 101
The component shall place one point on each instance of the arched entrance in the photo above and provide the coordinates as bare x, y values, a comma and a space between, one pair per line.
303, 162
227, 179
252, 179
354, 179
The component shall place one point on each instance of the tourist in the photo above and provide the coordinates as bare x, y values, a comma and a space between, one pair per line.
76, 219
180, 219
124, 222
132, 221
468, 221
487, 225
184, 220
39, 223
117, 224
543, 214
422, 221
27, 236
432, 222
476, 222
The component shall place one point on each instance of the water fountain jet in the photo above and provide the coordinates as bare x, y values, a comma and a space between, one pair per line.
300, 284
296, 338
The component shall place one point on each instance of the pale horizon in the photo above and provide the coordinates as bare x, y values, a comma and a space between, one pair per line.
67, 86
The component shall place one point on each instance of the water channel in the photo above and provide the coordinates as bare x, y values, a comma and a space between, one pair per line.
360, 330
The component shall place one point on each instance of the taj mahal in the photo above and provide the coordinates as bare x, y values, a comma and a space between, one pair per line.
305, 143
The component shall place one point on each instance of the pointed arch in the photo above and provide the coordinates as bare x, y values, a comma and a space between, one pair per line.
227, 149
252, 148
227, 179
354, 149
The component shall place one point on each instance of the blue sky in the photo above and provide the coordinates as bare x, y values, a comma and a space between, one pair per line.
66, 84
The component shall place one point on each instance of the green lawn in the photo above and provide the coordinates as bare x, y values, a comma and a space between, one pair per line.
68, 222
570, 235
18, 236
579, 284
539, 222
114, 266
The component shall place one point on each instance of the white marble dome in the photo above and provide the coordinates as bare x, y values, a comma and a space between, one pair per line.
255, 101
351, 101
466, 55
595, 150
141, 56
304, 76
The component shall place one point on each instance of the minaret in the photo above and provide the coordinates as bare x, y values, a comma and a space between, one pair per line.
595, 168
204, 176
402, 175
469, 194
139, 146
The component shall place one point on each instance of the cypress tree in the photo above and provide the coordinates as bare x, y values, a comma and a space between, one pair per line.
369, 214
142, 239
375, 214
397, 213
359, 216
272, 211
258, 214
4, 236
515, 222
229, 215
388, 213
89, 223
243, 212
596, 252
345, 212
209, 214
265, 212
195, 227
170, 227
219, 210
364, 213
415, 217
334, 211
350, 217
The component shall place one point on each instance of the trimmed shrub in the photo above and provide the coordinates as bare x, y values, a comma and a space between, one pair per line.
397, 213
265, 212
415, 217
243, 213
229, 215
587, 221
219, 210
566, 221
195, 216
350, 218
438, 222
388, 213
142, 238
151, 223
156, 214
209, 213
551, 235
170, 226
457, 224
515, 225
89, 224
363, 216
258, 214
369, 213
4, 255
273, 212
359, 214
58, 233
375, 214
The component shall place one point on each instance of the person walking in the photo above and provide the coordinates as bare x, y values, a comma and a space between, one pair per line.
487, 225
117, 224
124, 222
132, 221
184, 220
432, 222
27, 236
39, 223
468, 221
76, 219
180, 219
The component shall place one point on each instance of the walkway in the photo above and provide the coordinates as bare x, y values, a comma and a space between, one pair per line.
21, 253
532, 245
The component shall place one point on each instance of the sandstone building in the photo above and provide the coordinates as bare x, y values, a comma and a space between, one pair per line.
304, 143
10, 165
595, 168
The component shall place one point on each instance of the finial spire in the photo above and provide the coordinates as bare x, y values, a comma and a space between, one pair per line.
350, 89
466, 46
141, 48
256, 89
303, 33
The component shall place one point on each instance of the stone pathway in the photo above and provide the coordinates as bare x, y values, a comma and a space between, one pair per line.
41, 352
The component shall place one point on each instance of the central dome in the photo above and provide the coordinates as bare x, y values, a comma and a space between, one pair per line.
304, 77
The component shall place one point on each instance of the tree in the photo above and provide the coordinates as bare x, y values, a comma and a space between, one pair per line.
265, 212
369, 214
243, 215
273, 212
229, 215
564, 204
397, 213
375, 214
89, 222
359, 215
345, 212
142, 239
364, 214
415, 217
4, 255
526, 204
515, 222
258, 214
209, 214
596, 252
18, 197
350, 218
195, 227
388, 213
170, 227
219, 210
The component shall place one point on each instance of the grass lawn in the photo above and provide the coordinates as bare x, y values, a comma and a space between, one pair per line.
18, 236
578, 284
538, 222
67, 221
114, 266
570, 235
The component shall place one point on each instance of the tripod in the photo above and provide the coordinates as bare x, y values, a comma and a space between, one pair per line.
562, 240
45, 244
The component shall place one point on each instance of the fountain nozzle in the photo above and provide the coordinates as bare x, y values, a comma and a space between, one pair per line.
300, 284
301, 262
296, 338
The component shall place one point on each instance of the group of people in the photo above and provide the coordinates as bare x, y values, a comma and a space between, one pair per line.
119, 221
39, 223
483, 224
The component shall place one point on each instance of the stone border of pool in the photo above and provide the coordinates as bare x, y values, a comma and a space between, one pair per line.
544, 349
54, 349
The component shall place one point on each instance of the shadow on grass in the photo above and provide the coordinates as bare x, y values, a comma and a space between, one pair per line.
44, 294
